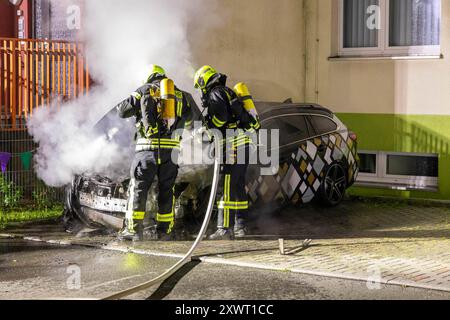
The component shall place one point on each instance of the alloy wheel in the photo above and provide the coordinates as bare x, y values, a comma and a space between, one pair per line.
335, 184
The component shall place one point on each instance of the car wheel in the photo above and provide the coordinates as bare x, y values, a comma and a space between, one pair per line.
333, 187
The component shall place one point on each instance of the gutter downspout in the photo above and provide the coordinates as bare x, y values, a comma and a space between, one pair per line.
305, 50
317, 43
311, 16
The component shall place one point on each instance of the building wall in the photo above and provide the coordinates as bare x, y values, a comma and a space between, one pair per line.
281, 48
400, 106
260, 42
7, 27
56, 19
382, 86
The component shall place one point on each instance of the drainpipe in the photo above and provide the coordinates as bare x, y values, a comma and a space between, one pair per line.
311, 17
317, 43
305, 49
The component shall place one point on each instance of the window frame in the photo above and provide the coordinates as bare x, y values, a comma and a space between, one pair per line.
377, 167
384, 48
305, 115
382, 178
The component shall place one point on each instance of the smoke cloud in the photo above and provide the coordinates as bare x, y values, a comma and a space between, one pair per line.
122, 38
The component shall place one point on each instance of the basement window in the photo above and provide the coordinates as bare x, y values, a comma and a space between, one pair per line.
403, 171
389, 27
421, 166
368, 163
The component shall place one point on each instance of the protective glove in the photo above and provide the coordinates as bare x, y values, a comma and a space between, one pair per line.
150, 131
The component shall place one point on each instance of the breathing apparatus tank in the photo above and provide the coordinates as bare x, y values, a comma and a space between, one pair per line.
243, 93
168, 101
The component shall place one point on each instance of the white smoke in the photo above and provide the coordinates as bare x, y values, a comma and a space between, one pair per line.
123, 38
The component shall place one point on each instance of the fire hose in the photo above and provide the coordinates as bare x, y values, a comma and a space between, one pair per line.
177, 266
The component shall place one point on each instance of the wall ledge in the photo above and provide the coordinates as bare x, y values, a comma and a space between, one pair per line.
370, 58
395, 187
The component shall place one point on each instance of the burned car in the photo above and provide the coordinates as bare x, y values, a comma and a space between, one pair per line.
317, 161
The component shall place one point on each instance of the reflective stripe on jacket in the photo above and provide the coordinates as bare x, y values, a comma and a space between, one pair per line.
143, 144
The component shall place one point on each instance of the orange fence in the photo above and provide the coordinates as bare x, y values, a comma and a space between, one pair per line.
36, 74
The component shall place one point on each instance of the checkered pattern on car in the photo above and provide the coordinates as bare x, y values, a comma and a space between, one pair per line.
299, 179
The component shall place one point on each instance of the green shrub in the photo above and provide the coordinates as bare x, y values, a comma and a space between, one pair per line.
43, 198
10, 195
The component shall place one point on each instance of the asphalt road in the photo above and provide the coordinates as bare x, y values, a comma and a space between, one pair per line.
30, 270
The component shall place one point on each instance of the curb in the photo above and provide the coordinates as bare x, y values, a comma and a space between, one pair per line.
223, 261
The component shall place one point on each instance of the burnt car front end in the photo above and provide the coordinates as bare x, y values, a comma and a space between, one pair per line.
97, 201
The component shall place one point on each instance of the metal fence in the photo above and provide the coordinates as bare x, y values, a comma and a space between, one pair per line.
18, 143
34, 74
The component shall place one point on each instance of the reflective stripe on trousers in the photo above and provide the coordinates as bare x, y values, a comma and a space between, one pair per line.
168, 217
227, 204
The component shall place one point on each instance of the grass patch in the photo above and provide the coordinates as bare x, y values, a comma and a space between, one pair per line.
28, 215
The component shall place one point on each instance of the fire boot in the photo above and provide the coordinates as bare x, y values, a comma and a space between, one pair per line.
240, 230
222, 234
133, 231
179, 229
150, 233
164, 232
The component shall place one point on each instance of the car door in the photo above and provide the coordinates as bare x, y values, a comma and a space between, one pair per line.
296, 172
263, 189
294, 131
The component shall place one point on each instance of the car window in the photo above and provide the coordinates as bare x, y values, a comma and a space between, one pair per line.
292, 128
323, 124
270, 124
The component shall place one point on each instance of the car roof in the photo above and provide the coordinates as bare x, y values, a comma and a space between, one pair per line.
267, 109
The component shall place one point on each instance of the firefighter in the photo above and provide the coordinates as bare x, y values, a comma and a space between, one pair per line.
226, 113
157, 147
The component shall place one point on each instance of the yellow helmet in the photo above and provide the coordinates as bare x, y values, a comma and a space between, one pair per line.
155, 71
202, 77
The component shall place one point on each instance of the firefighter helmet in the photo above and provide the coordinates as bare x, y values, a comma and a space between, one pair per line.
156, 71
203, 76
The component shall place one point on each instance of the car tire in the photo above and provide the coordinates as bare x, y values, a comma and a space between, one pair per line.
334, 185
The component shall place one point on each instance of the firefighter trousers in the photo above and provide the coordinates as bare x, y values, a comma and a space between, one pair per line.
233, 204
146, 166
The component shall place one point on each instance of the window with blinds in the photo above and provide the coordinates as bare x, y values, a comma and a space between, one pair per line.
390, 27
414, 23
357, 34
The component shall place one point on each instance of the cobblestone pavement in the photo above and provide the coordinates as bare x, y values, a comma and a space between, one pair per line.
373, 241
